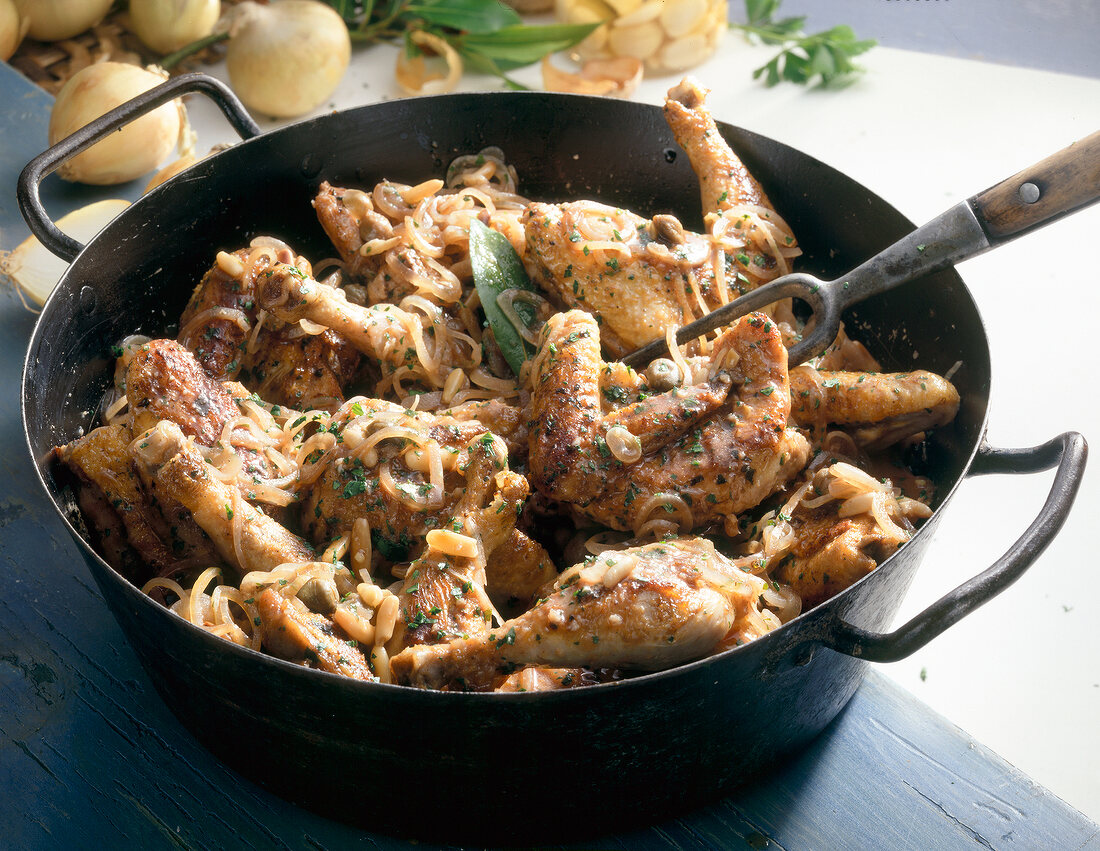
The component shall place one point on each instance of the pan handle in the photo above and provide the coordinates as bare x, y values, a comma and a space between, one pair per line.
1069, 451
30, 204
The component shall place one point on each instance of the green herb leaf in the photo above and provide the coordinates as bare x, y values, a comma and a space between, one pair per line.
497, 268
516, 46
826, 55
392, 549
470, 16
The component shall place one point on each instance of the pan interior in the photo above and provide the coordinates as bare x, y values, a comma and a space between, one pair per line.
136, 276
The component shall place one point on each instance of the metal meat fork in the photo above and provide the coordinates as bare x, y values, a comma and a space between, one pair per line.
1061, 184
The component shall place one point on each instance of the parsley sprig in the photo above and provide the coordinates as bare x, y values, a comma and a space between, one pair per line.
827, 54
489, 36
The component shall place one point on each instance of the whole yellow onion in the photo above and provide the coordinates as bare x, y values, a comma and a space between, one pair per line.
167, 25
13, 27
284, 59
53, 20
134, 150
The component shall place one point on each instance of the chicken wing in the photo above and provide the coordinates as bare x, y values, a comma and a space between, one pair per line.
724, 182
642, 276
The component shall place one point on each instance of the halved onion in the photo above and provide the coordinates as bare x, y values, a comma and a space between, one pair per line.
35, 270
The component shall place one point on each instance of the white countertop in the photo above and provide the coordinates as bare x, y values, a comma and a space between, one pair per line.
1021, 675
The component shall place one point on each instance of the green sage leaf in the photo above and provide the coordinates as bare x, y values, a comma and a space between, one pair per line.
497, 268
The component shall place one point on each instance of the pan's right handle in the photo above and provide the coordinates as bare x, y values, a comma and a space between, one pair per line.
1057, 186
1069, 451
27, 190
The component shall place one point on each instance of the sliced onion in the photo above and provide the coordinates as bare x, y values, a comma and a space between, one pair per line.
506, 301
428, 65
452, 543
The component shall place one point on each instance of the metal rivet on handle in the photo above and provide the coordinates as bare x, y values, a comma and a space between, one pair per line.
1029, 193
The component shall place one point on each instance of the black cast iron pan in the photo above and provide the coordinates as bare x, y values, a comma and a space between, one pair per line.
493, 768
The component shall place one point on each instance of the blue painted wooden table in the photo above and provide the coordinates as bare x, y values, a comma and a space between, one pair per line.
91, 756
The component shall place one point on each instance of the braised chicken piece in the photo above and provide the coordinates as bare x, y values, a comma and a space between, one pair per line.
405, 473
605, 260
641, 276
877, 409
165, 381
399, 341
705, 452
643, 609
281, 362
830, 553
352, 224
837, 526
218, 318
134, 534
548, 679
302, 372
517, 570
506, 421
298, 635
443, 595
244, 536
724, 182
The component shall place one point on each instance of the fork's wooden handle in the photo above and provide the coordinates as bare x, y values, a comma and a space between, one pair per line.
1060, 184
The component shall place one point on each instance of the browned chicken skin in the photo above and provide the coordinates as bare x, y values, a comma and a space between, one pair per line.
725, 462
443, 595
724, 182
645, 608
637, 291
830, 553
883, 407
279, 362
176, 469
298, 635
133, 533
642, 276
166, 382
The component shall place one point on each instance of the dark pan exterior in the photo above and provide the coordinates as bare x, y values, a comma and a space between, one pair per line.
481, 766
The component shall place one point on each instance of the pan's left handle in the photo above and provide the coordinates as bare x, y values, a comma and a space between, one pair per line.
30, 203
1069, 452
